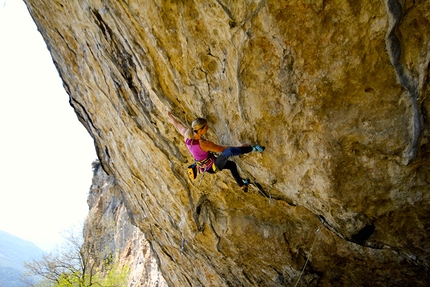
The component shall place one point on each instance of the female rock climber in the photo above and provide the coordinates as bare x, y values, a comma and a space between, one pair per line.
201, 150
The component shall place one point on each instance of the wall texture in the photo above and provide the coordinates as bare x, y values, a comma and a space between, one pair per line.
336, 90
113, 243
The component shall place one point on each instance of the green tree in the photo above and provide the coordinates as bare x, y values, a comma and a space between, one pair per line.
73, 265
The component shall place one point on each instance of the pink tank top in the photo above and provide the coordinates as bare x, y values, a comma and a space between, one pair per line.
199, 154
195, 149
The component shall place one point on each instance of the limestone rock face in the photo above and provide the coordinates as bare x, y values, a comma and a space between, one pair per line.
337, 91
111, 238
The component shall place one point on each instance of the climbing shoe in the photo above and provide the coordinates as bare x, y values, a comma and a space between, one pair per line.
245, 185
258, 148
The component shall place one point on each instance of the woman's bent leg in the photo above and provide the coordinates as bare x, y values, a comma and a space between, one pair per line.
233, 169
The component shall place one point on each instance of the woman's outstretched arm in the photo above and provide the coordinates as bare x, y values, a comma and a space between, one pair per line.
180, 127
210, 146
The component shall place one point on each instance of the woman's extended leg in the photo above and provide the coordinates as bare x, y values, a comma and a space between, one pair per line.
234, 151
228, 152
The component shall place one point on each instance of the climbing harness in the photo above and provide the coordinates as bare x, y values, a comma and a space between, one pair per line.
202, 166
312, 247
214, 168
206, 163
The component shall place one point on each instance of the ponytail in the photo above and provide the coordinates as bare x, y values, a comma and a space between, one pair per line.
189, 134
196, 125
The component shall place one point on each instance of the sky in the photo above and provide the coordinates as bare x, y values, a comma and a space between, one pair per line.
45, 152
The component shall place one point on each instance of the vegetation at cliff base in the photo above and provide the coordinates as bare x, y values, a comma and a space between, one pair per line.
73, 265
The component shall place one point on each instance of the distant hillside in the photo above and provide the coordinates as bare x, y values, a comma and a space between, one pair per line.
13, 252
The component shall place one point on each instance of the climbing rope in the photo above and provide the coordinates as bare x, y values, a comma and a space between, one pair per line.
203, 174
104, 7
183, 245
271, 201
310, 251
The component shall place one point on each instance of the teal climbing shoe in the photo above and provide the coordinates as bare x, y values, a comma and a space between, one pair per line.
258, 148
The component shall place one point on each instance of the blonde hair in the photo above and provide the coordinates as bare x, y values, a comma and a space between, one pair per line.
196, 125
